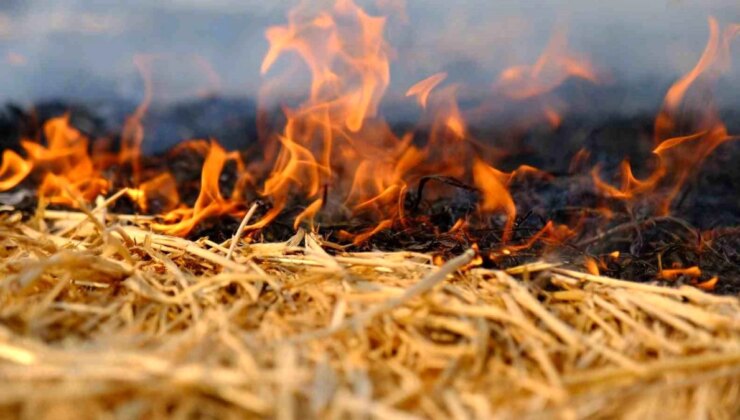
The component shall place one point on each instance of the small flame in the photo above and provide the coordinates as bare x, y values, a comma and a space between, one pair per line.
14, 170
210, 201
308, 213
364, 236
162, 188
551, 234
496, 197
592, 267
708, 285
674, 273
555, 65
422, 89
132, 135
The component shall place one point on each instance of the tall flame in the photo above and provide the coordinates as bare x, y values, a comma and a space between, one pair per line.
679, 156
331, 140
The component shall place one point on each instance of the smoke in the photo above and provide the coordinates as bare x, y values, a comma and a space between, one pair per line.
77, 49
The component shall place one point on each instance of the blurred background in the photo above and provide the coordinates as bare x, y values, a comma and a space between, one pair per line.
82, 50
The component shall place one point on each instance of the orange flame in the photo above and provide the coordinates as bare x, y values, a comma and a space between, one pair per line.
534, 83
551, 234
162, 187
210, 201
13, 170
674, 273
334, 153
332, 139
555, 65
679, 156
360, 53
69, 172
708, 285
132, 135
422, 89
133, 130
496, 197
592, 267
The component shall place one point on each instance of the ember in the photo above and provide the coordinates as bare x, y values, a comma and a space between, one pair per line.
622, 240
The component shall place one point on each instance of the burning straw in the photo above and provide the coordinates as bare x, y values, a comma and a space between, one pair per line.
101, 316
119, 315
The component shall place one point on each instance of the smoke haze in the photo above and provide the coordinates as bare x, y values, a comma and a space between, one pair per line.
76, 49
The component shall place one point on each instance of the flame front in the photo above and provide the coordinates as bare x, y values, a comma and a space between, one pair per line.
334, 157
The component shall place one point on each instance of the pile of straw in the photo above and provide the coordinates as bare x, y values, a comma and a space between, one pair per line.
99, 317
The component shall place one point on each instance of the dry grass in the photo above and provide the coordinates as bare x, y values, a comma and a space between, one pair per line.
100, 318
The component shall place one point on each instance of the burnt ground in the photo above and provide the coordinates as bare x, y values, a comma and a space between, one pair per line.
703, 229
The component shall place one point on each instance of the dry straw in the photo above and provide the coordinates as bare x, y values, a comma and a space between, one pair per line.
100, 317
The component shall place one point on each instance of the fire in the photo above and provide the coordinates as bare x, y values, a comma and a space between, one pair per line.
14, 169
133, 133
70, 175
592, 267
162, 187
449, 143
422, 89
496, 197
709, 284
551, 235
349, 68
556, 64
210, 201
494, 187
133, 130
334, 153
715, 59
335, 156
674, 273
332, 140
680, 156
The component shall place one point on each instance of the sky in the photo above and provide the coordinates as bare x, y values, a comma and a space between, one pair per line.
75, 49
